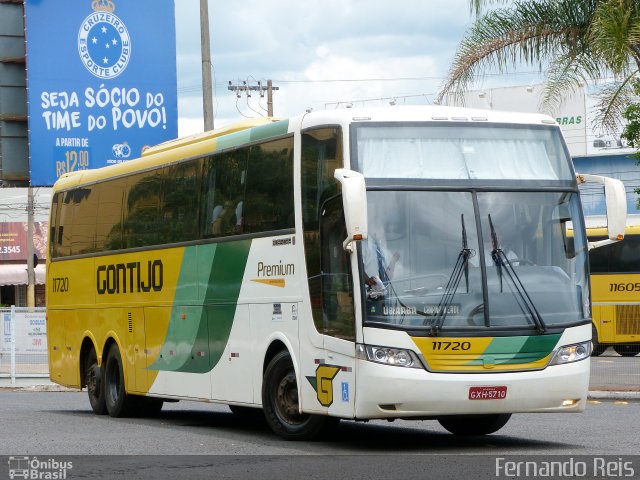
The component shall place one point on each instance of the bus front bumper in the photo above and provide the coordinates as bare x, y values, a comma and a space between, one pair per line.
397, 392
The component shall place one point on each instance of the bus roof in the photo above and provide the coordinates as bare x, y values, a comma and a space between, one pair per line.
257, 129
424, 113
174, 150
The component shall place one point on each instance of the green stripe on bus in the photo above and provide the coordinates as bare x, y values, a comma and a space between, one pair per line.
518, 350
225, 283
255, 134
182, 333
232, 140
197, 335
270, 130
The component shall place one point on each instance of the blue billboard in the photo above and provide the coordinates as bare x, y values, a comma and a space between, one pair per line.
101, 82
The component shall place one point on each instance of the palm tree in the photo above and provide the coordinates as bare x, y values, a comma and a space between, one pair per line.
573, 40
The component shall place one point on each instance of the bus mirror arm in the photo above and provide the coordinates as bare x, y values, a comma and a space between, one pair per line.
616, 203
354, 202
601, 243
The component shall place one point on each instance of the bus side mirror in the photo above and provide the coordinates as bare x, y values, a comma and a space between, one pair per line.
354, 202
616, 202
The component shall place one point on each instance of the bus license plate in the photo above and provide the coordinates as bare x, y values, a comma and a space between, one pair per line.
487, 393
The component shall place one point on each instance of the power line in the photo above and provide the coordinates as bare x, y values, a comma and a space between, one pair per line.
246, 88
197, 87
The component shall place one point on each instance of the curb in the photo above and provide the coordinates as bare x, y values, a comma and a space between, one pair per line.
37, 388
607, 395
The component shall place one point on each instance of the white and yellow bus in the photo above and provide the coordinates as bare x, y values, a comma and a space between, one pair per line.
615, 287
408, 262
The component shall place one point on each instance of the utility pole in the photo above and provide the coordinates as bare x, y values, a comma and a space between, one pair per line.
31, 276
270, 97
207, 88
247, 89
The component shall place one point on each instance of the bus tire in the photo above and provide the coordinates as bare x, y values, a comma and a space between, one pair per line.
95, 385
467, 425
119, 404
598, 348
627, 349
280, 402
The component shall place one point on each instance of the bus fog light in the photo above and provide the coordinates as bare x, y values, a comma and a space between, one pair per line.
389, 356
572, 353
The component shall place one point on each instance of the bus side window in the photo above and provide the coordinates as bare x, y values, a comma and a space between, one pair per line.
85, 212
337, 287
142, 210
180, 202
268, 202
211, 218
599, 258
65, 224
53, 234
225, 183
109, 221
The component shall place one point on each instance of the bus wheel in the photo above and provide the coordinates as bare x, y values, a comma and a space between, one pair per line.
474, 424
93, 379
280, 401
627, 349
119, 404
598, 348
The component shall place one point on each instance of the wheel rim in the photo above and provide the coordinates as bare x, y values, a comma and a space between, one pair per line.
286, 400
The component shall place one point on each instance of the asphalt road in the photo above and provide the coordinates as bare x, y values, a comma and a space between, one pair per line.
610, 371
46, 424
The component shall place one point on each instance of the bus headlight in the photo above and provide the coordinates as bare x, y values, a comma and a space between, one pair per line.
572, 353
397, 357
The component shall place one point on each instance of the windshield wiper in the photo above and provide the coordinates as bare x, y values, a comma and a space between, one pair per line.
501, 260
462, 265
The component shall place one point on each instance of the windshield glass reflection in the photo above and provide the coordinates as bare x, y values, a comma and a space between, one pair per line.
422, 264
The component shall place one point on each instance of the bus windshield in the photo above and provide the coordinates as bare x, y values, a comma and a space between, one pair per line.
462, 151
424, 260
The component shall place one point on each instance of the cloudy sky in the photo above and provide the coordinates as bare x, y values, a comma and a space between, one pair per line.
319, 53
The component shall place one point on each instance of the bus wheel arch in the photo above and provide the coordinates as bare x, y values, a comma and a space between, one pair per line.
598, 348
280, 400
85, 350
91, 376
275, 347
627, 349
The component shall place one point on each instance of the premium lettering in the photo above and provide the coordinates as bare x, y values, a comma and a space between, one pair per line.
277, 269
132, 277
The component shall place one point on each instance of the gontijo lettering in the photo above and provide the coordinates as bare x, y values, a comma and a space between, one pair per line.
130, 277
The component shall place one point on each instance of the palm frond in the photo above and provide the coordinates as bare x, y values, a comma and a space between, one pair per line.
615, 32
566, 74
530, 32
476, 6
611, 103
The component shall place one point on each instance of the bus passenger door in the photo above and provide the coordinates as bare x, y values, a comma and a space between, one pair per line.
336, 378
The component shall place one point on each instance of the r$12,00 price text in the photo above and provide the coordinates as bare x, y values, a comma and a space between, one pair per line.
73, 160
